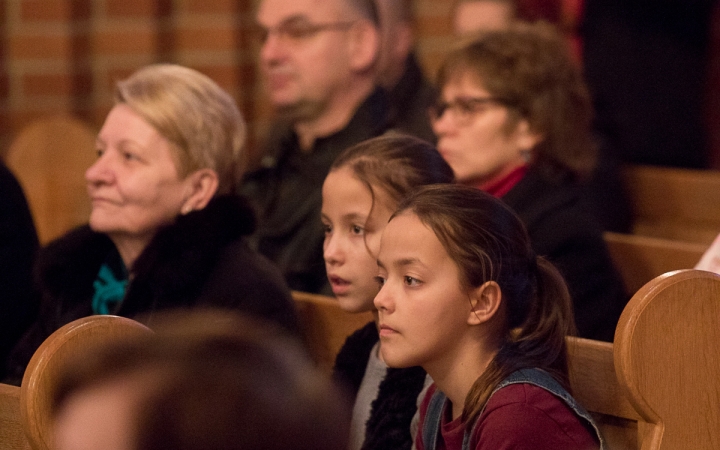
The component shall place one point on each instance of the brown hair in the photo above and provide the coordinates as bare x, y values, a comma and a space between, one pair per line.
215, 379
198, 117
396, 163
530, 67
488, 242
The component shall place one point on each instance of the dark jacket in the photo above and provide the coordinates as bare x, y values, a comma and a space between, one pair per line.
18, 246
410, 100
200, 260
392, 411
287, 193
563, 229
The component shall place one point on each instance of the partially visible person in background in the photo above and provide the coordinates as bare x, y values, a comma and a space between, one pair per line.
212, 380
605, 188
399, 71
166, 229
513, 120
365, 185
319, 62
18, 246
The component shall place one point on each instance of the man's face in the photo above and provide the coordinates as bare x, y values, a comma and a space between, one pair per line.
305, 54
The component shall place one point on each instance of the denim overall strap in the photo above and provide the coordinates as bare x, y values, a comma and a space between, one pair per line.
433, 417
536, 377
544, 380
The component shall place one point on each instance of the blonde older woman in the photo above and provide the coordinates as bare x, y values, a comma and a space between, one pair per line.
165, 230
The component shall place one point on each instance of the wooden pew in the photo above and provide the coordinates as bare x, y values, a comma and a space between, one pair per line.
25, 420
326, 326
656, 388
676, 204
49, 157
639, 259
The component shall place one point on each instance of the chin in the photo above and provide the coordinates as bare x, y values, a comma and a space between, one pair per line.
396, 358
351, 304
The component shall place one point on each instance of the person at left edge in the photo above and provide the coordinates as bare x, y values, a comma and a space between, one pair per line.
166, 230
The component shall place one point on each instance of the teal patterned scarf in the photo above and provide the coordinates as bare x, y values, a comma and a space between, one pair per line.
109, 289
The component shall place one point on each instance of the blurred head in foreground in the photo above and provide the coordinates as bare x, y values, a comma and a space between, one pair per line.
203, 381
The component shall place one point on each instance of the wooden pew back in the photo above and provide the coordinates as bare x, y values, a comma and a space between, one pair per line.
40, 378
326, 326
12, 436
639, 259
49, 157
667, 360
676, 204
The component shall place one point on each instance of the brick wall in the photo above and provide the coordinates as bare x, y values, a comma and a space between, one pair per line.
63, 56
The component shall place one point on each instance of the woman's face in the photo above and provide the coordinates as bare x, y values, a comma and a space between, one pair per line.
352, 238
473, 136
134, 185
423, 308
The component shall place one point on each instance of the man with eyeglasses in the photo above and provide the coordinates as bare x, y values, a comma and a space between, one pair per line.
318, 62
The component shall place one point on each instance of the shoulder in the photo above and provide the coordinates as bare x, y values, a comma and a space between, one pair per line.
524, 416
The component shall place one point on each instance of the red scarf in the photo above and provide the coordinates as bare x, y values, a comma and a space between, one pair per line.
498, 187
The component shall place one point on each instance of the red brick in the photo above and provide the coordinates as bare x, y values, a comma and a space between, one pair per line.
45, 10
215, 38
213, 6
42, 85
138, 8
62, 84
226, 76
115, 75
40, 47
125, 42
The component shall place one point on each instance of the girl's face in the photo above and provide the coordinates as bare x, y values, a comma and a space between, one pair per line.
473, 136
352, 237
423, 308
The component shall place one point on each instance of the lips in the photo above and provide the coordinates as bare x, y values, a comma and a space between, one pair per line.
386, 331
339, 286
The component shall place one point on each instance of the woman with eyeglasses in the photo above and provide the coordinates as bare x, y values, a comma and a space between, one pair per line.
513, 119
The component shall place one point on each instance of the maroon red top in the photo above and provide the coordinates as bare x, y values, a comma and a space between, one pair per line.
518, 417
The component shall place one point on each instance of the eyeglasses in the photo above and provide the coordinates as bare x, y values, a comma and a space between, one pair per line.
297, 30
463, 109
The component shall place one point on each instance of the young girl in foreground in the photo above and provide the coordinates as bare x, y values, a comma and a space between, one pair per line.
464, 297
365, 185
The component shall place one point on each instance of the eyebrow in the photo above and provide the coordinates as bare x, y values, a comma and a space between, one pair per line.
403, 262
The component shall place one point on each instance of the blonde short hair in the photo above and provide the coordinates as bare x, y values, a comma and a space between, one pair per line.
199, 118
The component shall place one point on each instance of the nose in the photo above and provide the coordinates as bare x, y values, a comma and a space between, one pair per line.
384, 300
272, 49
100, 172
333, 251
442, 125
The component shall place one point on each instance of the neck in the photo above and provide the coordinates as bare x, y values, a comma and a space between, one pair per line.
130, 248
335, 116
458, 371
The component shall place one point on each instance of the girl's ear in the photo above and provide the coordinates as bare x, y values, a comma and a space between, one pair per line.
202, 185
485, 301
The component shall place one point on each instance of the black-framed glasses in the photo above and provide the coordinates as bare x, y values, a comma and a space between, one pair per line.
297, 30
463, 109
